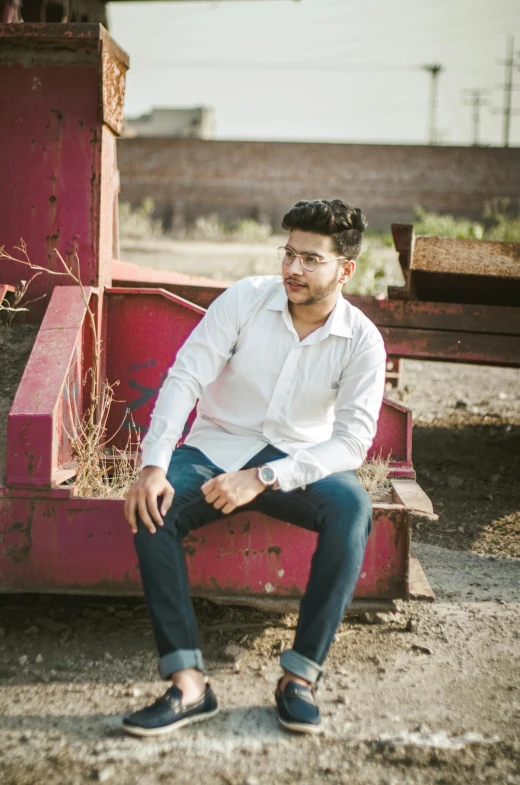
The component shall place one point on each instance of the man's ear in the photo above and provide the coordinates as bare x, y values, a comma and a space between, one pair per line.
349, 269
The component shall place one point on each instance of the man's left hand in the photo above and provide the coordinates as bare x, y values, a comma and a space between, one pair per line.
233, 489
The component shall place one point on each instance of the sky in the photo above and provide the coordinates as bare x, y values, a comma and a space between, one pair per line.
323, 70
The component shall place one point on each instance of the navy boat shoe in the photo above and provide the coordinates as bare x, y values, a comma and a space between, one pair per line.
297, 708
168, 714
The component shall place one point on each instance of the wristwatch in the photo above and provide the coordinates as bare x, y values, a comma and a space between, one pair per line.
266, 475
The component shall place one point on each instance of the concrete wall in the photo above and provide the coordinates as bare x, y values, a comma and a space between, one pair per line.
189, 177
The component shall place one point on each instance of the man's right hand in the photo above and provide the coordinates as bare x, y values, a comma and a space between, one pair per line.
142, 498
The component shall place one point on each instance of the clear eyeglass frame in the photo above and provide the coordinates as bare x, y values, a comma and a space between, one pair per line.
309, 262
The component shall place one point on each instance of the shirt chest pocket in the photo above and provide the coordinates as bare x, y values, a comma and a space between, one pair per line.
313, 403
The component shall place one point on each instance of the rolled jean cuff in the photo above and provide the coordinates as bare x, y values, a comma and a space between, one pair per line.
179, 661
300, 666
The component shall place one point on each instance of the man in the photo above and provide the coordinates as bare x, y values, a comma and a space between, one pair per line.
289, 379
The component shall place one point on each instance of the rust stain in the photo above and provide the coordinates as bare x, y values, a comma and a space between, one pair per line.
16, 542
274, 549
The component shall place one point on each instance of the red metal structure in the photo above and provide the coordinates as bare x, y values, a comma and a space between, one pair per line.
64, 86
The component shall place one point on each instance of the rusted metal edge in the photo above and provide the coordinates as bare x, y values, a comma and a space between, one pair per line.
418, 585
292, 604
91, 32
404, 239
411, 495
135, 274
429, 315
33, 425
484, 258
127, 290
477, 348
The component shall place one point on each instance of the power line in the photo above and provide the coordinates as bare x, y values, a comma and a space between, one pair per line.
477, 99
159, 63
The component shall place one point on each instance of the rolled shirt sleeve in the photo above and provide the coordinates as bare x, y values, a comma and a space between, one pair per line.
360, 395
198, 363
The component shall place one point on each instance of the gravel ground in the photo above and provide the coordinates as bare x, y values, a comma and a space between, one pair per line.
427, 695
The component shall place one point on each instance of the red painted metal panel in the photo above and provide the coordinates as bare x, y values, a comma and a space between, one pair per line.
394, 438
253, 554
144, 331
52, 544
36, 432
50, 162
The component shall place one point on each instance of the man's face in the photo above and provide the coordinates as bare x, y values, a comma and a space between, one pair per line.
308, 288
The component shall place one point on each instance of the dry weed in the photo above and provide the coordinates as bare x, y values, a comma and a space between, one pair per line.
374, 477
103, 470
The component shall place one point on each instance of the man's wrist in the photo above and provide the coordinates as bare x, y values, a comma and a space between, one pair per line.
267, 476
149, 469
253, 474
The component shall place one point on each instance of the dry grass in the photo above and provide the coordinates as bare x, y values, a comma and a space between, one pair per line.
373, 476
103, 471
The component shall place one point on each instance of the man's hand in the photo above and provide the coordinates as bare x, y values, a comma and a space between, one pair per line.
229, 491
142, 498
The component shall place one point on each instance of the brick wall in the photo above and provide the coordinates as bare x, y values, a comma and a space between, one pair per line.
191, 177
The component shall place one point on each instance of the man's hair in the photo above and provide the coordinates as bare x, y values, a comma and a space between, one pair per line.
334, 218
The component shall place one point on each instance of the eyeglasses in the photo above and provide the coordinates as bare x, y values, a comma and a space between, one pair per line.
308, 261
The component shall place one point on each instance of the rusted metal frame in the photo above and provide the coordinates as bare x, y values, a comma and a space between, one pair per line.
394, 371
480, 349
404, 239
111, 290
194, 288
482, 258
49, 396
488, 319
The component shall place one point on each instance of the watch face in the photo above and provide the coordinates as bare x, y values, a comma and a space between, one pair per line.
267, 474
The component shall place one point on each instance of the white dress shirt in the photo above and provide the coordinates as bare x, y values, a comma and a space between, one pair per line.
317, 399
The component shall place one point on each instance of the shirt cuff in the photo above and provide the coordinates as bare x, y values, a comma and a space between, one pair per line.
288, 475
156, 455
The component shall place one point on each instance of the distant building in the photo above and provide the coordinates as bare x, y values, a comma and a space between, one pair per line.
196, 123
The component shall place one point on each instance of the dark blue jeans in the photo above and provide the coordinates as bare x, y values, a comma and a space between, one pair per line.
337, 508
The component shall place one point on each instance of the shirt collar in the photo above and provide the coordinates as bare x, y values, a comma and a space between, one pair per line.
338, 322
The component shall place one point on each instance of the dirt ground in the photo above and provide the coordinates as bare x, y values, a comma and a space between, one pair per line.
428, 695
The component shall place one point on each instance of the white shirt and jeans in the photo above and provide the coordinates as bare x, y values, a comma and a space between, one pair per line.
309, 409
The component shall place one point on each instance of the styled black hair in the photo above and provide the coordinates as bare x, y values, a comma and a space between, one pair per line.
334, 218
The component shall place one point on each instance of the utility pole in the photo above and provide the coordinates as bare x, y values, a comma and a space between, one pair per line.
476, 99
510, 63
434, 70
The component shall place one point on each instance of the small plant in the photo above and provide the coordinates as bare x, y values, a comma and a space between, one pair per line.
373, 476
103, 470
446, 226
371, 275
138, 223
505, 220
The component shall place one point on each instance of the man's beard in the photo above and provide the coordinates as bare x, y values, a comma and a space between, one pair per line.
321, 294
